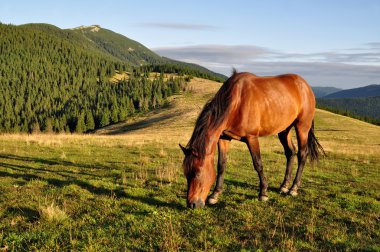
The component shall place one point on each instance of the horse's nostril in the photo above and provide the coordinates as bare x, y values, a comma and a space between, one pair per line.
196, 204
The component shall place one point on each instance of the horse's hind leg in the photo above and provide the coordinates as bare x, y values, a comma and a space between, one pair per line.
222, 159
290, 151
302, 137
254, 148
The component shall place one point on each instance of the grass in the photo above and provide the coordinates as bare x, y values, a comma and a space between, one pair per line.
126, 191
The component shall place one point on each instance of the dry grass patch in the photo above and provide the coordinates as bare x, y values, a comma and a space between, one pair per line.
52, 213
167, 173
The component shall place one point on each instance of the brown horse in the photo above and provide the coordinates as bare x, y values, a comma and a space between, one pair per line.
247, 107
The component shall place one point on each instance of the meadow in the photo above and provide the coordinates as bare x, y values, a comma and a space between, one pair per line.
122, 188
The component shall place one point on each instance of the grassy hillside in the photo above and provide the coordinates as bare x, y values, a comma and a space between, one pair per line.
123, 189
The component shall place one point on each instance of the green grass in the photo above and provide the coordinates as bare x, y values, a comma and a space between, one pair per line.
127, 192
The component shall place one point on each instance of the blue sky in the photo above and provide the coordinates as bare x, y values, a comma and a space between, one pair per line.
329, 43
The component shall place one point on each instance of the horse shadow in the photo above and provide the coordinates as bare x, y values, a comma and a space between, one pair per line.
68, 177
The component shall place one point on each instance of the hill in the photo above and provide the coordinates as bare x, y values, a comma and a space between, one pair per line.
119, 46
365, 108
59, 80
367, 91
323, 91
362, 103
137, 54
123, 189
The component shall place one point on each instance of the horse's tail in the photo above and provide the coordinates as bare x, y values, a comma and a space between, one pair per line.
315, 149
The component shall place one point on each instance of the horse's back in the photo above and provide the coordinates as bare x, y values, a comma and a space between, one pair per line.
269, 104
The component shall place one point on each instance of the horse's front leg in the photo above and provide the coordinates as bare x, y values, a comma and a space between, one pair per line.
222, 159
254, 148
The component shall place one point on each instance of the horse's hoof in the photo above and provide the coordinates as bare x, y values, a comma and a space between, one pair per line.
212, 201
284, 190
293, 193
263, 198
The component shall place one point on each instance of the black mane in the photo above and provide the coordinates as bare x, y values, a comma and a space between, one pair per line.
212, 116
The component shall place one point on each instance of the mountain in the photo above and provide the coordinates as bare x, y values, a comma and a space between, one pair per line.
362, 103
114, 46
67, 36
363, 108
60, 80
119, 46
323, 91
367, 91
136, 54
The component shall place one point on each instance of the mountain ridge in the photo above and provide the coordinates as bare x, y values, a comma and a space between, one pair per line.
362, 103
57, 80
372, 90
119, 45
323, 91
121, 48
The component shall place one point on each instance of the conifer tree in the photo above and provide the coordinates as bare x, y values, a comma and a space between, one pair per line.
80, 124
90, 123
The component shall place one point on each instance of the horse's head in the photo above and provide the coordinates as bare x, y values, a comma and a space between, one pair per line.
200, 175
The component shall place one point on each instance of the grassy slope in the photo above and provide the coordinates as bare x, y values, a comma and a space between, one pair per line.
123, 188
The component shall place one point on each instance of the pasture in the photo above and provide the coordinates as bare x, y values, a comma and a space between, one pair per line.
123, 188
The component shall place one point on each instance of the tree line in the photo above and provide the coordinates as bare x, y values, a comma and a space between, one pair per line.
366, 109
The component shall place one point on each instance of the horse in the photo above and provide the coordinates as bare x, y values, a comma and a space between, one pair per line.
245, 108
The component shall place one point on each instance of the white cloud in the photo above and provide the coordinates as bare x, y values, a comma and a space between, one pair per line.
345, 68
178, 26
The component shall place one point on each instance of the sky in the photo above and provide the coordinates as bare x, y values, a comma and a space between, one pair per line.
329, 43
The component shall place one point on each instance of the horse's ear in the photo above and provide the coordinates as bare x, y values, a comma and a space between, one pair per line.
185, 150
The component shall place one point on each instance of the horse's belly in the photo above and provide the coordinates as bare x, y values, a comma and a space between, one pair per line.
275, 125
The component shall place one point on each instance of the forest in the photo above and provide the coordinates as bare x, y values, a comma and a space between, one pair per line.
364, 108
50, 80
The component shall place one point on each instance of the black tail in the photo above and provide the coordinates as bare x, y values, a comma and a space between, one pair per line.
314, 147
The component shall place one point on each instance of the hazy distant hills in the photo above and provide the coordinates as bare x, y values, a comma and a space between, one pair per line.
367, 91
323, 91
362, 103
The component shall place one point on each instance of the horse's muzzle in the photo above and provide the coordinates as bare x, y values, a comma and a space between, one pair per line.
196, 204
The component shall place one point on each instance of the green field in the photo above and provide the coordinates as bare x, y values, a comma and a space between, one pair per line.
123, 189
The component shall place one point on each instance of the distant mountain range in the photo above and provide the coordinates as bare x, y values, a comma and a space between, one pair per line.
362, 103
333, 92
367, 91
323, 91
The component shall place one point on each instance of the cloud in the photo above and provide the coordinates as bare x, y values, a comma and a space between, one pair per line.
321, 73
345, 68
215, 53
370, 54
179, 26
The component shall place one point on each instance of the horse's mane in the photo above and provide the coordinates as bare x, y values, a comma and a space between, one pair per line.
211, 117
